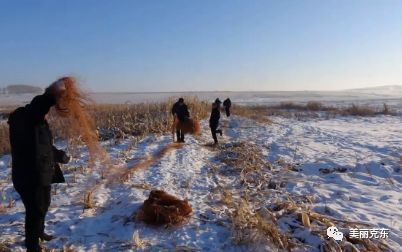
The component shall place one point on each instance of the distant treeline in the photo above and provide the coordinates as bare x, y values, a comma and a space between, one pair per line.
20, 89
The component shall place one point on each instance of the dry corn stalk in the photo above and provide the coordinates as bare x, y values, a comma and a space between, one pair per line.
137, 242
87, 201
305, 220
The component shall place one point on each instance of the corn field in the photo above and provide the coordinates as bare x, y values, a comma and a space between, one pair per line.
121, 120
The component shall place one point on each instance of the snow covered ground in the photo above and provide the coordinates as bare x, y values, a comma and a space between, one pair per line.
350, 165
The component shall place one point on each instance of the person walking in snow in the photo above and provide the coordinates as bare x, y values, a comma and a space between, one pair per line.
34, 161
227, 104
214, 120
181, 113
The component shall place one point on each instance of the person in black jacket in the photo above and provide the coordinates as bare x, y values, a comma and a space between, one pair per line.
214, 121
227, 104
181, 113
34, 162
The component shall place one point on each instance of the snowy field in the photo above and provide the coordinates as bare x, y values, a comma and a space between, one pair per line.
373, 97
349, 166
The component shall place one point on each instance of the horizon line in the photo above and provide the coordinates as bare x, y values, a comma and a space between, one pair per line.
221, 91
241, 91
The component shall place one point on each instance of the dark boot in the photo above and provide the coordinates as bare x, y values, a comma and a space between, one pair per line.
46, 237
181, 137
213, 132
38, 249
220, 132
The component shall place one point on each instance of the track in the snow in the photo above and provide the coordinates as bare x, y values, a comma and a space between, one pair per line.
147, 161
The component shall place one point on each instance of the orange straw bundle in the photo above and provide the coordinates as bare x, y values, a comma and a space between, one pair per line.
190, 126
163, 208
71, 105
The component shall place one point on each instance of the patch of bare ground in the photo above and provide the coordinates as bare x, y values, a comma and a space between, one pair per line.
262, 214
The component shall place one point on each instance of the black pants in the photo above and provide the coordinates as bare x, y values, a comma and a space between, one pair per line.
214, 130
180, 136
227, 109
36, 201
179, 133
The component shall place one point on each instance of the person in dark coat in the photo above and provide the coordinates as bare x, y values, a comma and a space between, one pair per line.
227, 104
214, 121
34, 162
180, 111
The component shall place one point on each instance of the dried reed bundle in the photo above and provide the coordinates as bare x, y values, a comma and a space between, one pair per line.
163, 208
72, 106
191, 126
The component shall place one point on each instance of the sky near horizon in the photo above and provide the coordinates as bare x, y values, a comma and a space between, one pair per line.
202, 45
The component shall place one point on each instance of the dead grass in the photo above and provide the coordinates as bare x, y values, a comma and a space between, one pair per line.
252, 227
386, 110
138, 243
3, 209
87, 200
247, 161
257, 206
121, 120
4, 247
257, 113
117, 121
311, 109
314, 106
356, 110
67, 248
4, 139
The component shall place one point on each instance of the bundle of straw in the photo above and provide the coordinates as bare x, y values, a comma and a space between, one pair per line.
72, 106
163, 208
190, 126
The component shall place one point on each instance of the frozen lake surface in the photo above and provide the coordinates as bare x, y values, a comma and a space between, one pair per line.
392, 97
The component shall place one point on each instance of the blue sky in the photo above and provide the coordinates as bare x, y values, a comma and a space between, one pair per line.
202, 45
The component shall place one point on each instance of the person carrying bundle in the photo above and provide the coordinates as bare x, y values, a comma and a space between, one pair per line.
214, 120
34, 161
227, 104
181, 113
